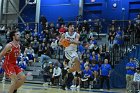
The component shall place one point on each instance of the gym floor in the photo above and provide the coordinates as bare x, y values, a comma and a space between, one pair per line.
38, 88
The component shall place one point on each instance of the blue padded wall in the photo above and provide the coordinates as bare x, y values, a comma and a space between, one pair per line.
52, 9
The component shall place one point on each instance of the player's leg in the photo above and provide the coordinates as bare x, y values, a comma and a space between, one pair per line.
73, 57
76, 65
20, 76
10, 71
13, 78
21, 79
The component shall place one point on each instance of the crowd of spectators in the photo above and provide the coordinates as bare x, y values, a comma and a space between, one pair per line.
40, 46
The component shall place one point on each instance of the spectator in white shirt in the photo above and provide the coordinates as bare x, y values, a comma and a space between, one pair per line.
55, 46
56, 73
136, 80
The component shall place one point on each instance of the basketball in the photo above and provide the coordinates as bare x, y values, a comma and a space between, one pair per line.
65, 42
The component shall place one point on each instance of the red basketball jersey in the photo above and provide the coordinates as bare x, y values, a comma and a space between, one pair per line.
11, 57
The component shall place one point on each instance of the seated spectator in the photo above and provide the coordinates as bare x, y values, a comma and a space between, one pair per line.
81, 50
87, 63
46, 54
54, 45
35, 33
83, 34
56, 73
96, 49
35, 45
94, 56
27, 37
92, 41
95, 69
82, 64
29, 52
25, 44
62, 29
41, 36
48, 72
91, 34
87, 75
42, 47
22, 64
26, 59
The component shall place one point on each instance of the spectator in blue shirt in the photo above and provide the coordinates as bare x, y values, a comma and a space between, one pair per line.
95, 69
130, 70
87, 74
119, 36
105, 72
81, 49
94, 56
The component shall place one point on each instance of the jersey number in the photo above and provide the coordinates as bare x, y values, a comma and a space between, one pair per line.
16, 54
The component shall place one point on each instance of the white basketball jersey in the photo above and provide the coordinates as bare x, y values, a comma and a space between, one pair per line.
71, 47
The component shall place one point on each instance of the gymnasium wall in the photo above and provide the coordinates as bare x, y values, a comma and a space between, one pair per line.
125, 9
52, 9
69, 9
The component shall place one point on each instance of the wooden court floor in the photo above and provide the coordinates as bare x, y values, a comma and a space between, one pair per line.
38, 88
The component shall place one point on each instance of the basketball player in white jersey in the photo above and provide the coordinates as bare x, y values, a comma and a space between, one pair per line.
71, 50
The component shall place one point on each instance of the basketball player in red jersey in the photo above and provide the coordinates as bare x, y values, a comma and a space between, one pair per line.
11, 52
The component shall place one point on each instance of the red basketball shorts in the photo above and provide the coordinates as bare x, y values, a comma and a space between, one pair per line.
11, 69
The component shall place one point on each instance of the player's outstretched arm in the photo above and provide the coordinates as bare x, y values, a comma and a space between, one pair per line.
5, 50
